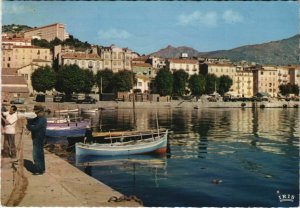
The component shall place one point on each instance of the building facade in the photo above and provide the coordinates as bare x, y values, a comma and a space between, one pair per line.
266, 80
14, 56
85, 61
48, 32
190, 66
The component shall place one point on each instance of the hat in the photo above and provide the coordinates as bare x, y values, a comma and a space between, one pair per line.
38, 108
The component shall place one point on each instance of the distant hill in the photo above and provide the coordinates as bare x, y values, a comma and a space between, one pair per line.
14, 28
280, 52
172, 52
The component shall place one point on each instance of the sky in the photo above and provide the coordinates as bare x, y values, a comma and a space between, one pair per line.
147, 26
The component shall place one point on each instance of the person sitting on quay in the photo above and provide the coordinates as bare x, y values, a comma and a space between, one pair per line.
9, 120
37, 126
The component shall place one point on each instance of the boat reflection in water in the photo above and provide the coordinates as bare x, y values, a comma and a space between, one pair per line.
135, 165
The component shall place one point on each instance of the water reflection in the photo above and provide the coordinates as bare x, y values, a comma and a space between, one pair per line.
253, 151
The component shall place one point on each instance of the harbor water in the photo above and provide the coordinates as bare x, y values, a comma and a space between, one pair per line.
216, 157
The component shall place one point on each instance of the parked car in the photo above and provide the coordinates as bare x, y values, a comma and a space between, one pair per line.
87, 99
59, 98
18, 101
40, 98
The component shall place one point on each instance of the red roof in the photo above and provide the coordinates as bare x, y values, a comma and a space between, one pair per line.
141, 65
80, 56
11, 79
142, 58
8, 71
186, 61
15, 89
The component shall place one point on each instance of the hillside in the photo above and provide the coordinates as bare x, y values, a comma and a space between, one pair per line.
14, 28
280, 52
172, 52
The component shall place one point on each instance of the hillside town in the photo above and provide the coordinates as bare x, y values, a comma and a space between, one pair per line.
20, 58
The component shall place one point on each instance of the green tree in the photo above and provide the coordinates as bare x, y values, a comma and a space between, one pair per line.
43, 79
89, 80
197, 84
289, 88
41, 43
71, 78
211, 83
107, 80
225, 82
122, 81
164, 82
180, 80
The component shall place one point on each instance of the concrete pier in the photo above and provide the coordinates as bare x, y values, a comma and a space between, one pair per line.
61, 185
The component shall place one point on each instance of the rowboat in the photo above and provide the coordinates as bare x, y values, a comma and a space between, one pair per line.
69, 129
66, 111
89, 110
129, 144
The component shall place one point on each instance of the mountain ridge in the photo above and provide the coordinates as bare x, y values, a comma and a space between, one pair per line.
278, 52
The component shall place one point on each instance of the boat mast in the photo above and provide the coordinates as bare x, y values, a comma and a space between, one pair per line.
133, 100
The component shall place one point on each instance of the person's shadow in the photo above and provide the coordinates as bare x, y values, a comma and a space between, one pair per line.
29, 166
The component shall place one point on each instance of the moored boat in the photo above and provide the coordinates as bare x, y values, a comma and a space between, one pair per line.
76, 110
69, 129
129, 144
94, 110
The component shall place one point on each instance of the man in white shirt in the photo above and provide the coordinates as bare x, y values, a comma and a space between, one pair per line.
10, 119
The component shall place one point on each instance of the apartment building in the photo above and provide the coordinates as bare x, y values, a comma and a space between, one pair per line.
157, 62
243, 82
48, 32
219, 69
15, 56
190, 66
266, 80
115, 58
83, 60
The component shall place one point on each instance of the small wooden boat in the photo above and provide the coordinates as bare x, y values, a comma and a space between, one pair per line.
129, 144
61, 119
62, 111
69, 129
89, 110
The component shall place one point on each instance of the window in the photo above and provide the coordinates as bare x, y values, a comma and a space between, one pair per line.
106, 56
140, 84
8, 58
106, 62
8, 65
45, 57
262, 73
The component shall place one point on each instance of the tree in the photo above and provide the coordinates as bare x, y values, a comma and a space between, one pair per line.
180, 79
197, 84
122, 81
71, 78
107, 80
289, 88
164, 82
225, 82
211, 83
89, 80
43, 79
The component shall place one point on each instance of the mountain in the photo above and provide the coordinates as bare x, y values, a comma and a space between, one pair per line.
172, 52
281, 52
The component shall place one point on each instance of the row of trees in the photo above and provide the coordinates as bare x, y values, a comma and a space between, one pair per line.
176, 83
71, 78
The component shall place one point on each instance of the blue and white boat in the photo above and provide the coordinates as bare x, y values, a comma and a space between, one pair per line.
131, 144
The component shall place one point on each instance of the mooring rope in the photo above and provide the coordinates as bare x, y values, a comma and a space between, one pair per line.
125, 198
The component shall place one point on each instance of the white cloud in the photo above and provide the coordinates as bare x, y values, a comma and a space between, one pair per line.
207, 18
113, 33
232, 17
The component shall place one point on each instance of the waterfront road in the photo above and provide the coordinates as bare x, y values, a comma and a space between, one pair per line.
62, 185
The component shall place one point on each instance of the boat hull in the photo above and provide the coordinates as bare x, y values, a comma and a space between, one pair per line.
158, 146
72, 129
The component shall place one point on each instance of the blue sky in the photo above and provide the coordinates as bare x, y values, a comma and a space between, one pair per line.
146, 27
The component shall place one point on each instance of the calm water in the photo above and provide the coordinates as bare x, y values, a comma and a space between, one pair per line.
254, 152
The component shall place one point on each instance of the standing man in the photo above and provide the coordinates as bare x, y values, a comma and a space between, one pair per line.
37, 126
10, 120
